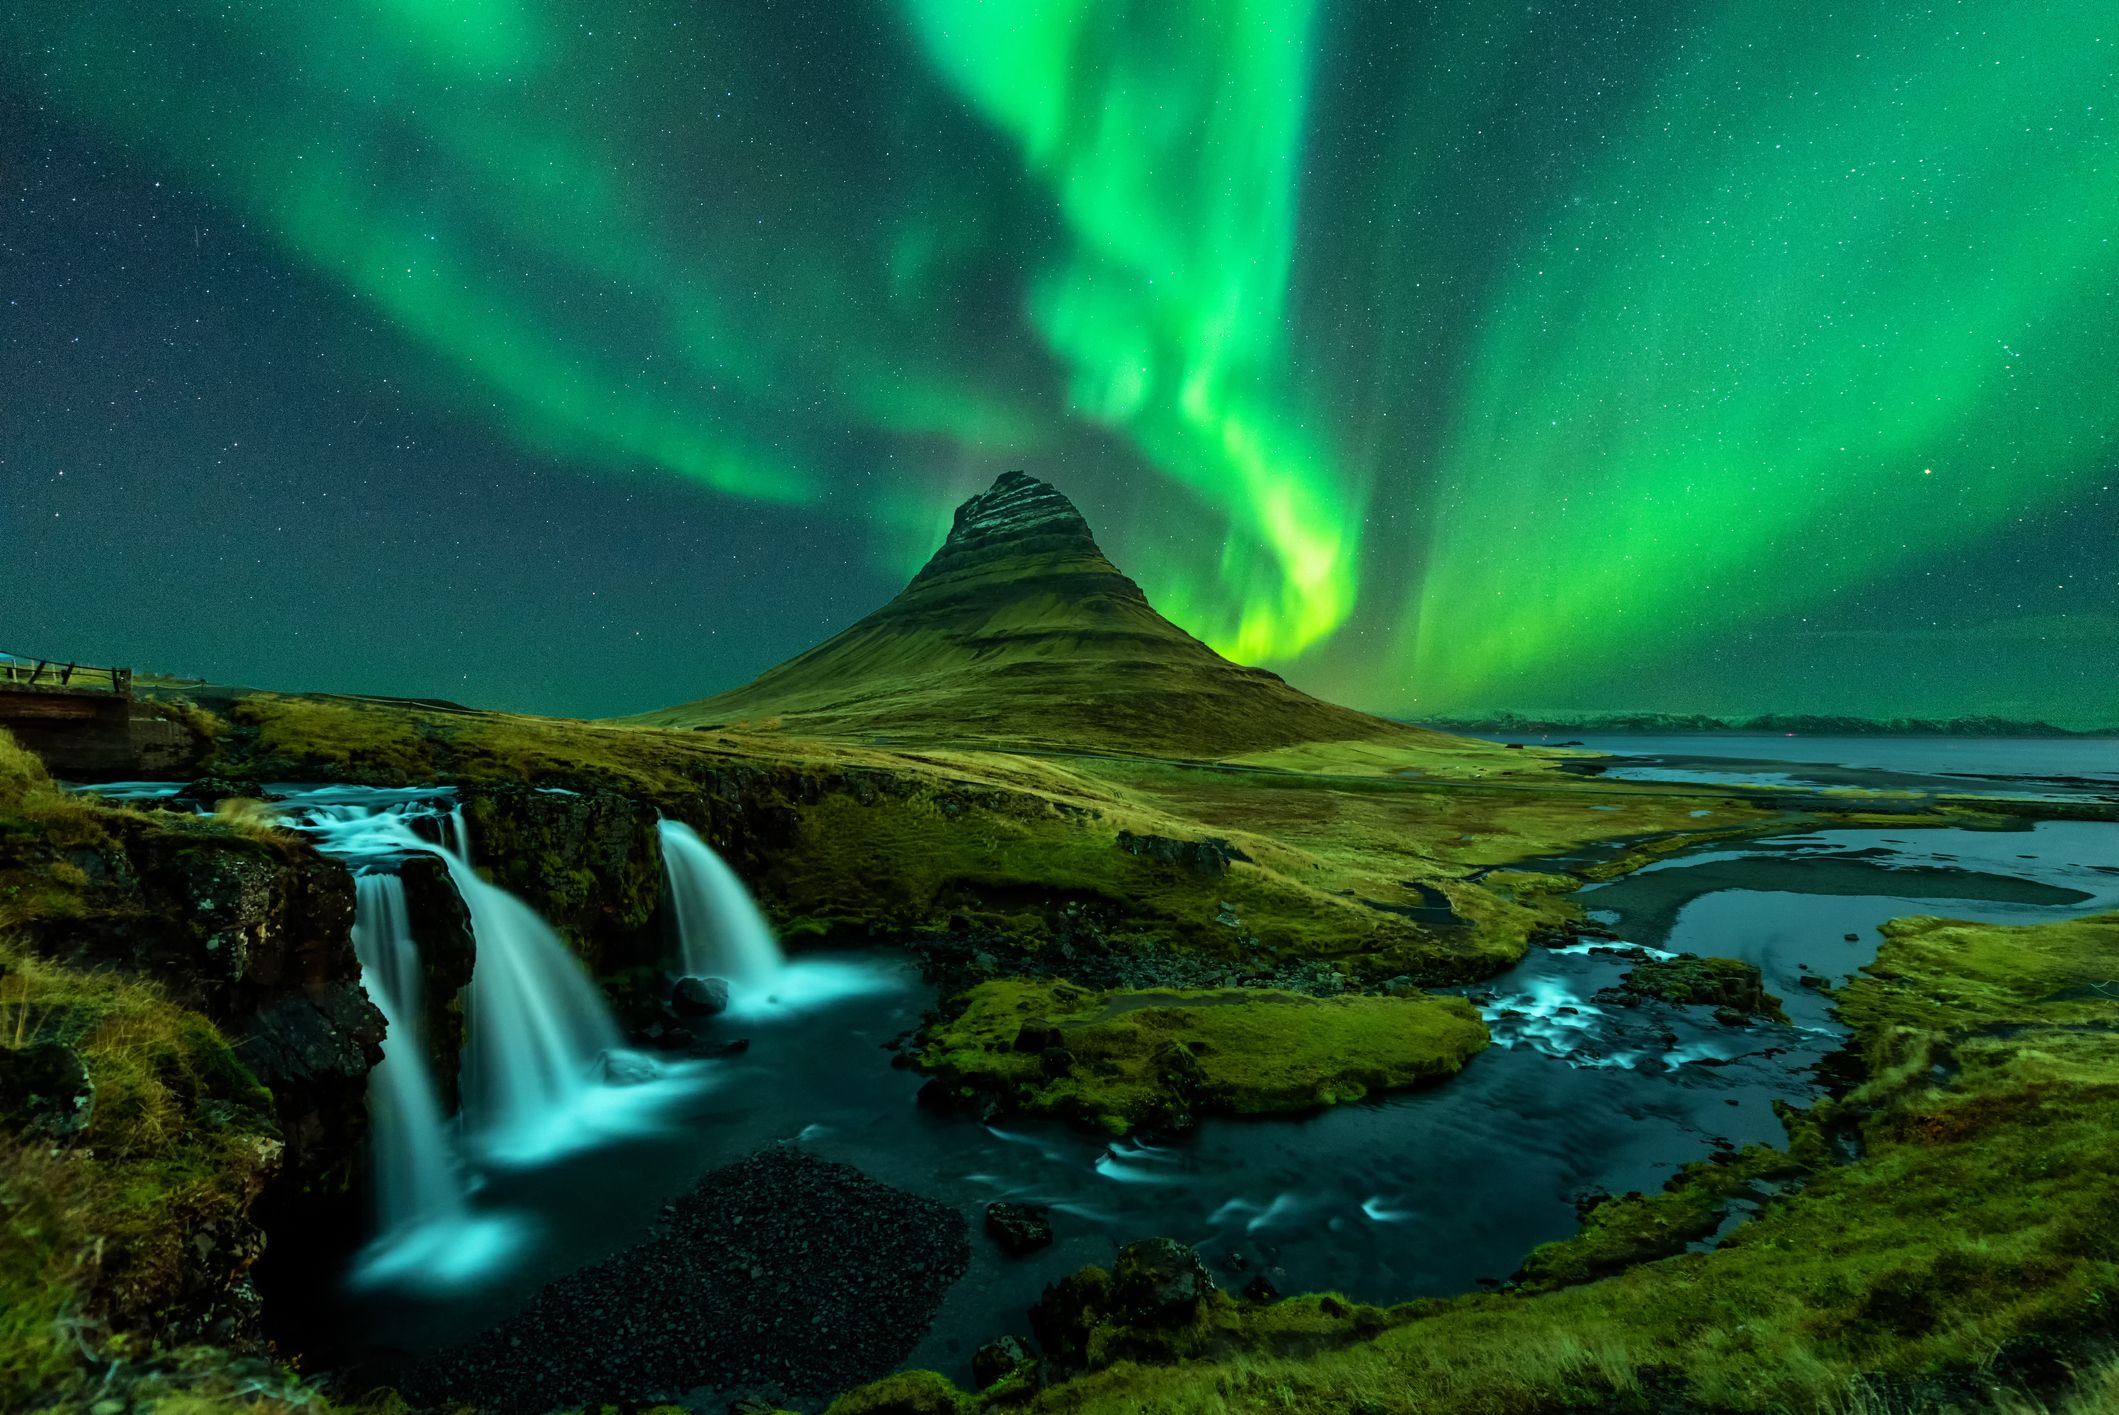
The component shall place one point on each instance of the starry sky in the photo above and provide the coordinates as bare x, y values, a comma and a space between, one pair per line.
1445, 355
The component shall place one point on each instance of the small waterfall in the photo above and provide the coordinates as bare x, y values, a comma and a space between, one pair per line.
720, 932
415, 1174
540, 1028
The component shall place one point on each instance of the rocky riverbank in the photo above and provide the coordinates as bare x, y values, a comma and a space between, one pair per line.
781, 1279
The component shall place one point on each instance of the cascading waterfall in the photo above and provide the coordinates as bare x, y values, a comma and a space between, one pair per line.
720, 932
415, 1175
540, 1029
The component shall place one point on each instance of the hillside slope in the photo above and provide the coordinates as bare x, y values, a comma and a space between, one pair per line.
1019, 631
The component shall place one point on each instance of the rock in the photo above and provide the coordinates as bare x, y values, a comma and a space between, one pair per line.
1813, 982
622, 1068
1037, 1036
1731, 1016
44, 1091
1852, 938
1210, 857
731, 1047
996, 1361
699, 997
1159, 1282
1019, 1228
1727, 984
1260, 1289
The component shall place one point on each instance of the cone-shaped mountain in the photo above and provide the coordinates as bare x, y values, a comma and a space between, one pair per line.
1019, 632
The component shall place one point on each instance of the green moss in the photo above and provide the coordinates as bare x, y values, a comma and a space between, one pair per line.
1705, 982
179, 1141
1629, 1229
1118, 1061
906, 1393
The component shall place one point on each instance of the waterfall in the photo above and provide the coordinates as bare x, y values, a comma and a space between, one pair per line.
539, 1026
720, 932
415, 1175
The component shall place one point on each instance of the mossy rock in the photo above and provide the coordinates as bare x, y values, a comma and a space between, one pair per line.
1119, 1061
906, 1393
1707, 982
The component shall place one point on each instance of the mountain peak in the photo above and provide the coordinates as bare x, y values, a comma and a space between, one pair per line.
1019, 632
1018, 515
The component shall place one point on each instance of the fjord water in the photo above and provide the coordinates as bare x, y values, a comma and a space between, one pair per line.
2060, 767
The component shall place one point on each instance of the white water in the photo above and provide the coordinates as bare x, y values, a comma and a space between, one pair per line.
540, 1029
416, 1178
543, 1072
720, 932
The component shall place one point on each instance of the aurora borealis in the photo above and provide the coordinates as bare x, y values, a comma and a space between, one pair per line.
1699, 357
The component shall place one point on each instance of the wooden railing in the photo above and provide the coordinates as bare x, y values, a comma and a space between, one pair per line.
50, 675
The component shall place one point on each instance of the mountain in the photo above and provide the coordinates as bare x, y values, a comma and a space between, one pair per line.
1020, 632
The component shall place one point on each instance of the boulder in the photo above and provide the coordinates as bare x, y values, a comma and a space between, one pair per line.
1210, 857
699, 997
1260, 1289
1019, 1228
996, 1361
1159, 1282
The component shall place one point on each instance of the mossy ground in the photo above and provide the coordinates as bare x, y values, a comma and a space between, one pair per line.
1972, 1246
1118, 1061
1347, 844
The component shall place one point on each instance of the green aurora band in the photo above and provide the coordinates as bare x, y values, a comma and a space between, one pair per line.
1813, 298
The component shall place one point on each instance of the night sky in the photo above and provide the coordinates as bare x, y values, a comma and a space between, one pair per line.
591, 355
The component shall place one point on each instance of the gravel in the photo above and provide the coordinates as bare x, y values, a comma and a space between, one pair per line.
782, 1277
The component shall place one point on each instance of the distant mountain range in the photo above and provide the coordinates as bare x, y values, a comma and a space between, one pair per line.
1799, 725
1019, 632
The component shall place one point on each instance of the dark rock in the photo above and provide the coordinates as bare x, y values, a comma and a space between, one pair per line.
1813, 982
209, 791
1019, 1228
1852, 938
996, 1361
1260, 1289
1037, 1036
1159, 1282
699, 997
44, 1091
1210, 857
731, 1047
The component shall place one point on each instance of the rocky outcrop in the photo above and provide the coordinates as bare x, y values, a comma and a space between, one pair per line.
1210, 857
257, 935
1734, 988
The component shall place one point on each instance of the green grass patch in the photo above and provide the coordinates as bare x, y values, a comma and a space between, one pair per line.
1117, 1061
